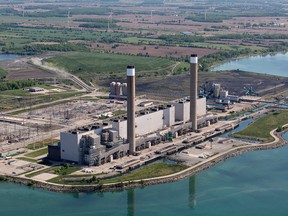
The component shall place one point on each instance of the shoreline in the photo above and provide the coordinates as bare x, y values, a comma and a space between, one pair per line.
277, 143
227, 60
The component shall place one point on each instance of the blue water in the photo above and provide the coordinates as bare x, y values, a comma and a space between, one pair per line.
270, 64
8, 56
245, 123
242, 125
255, 183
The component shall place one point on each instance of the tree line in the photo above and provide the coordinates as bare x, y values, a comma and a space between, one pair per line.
19, 84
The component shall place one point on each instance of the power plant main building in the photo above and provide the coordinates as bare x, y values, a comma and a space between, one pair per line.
125, 135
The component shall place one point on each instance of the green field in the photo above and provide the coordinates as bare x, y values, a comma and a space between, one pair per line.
225, 47
19, 39
151, 171
37, 153
88, 65
41, 144
138, 40
261, 128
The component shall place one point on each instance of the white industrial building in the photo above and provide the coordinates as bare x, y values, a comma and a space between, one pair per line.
70, 141
226, 98
147, 121
182, 108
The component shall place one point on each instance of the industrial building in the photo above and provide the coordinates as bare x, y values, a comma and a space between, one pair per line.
182, 108
147, 121
212, 90
35, 89
126, 135
227, 99
92, 145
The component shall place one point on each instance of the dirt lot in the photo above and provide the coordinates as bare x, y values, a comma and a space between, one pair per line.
171, 87
21, 69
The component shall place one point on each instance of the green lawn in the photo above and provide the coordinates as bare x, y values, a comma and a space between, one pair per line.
261, 128
37, 153
150, 171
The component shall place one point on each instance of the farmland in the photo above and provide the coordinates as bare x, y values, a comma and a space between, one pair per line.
97, 42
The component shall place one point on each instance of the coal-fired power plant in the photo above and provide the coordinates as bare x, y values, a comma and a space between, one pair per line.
193, 90
105, 141
131, 109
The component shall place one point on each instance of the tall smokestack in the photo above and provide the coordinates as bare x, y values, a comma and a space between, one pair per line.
193, 90
131, 109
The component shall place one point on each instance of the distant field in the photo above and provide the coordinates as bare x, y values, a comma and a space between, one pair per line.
176, 52
135, 40
92, 64
226, 47
262, 127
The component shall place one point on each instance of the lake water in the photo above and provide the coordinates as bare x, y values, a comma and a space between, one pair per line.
255, 183
270, 64
8, 56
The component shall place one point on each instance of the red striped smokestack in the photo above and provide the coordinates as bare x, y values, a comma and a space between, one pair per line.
193, 90
131, 109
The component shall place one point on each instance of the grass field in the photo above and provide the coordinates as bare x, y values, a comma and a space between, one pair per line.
153, 170
41, 144
261, 128
37, 153
91, 64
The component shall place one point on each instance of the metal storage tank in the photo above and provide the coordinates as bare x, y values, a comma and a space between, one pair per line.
217, 88
124, 89
113, 134
118, 89
112, 88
